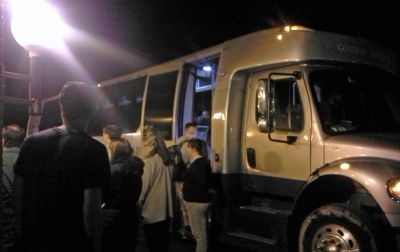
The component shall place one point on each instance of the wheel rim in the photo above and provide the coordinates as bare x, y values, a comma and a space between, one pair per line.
334, 238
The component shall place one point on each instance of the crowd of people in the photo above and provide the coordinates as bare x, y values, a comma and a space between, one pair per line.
62, 190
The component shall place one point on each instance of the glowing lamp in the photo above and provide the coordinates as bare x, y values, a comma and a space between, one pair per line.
36, 23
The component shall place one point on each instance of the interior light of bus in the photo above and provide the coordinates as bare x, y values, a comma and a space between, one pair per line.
289, 28
219, 116
207, 68
295, 28
300, 28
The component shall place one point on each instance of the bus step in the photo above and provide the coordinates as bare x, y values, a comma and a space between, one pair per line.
252, 237
265, 210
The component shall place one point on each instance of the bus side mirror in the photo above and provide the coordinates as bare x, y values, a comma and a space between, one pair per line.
262, 110
262, 123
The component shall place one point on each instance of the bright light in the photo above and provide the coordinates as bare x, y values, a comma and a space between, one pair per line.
219, 116
344, 166
396, 188
393, 187
36, 23
207, 68
279, 37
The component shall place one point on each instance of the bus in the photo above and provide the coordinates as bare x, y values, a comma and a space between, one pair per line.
304, 133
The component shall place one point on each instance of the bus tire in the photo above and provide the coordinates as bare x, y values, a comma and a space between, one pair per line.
336, 227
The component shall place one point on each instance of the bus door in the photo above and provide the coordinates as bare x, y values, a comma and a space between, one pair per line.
277, 134
199, 81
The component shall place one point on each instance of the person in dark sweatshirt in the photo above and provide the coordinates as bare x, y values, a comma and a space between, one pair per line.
121, 211
196, 191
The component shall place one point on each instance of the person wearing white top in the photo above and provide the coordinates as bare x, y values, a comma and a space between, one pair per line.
156, 200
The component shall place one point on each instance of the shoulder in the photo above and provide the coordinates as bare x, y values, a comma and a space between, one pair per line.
181, 140
130, 166
201, 162
48, 133
153, 162
39, 139
94, 142
135, 162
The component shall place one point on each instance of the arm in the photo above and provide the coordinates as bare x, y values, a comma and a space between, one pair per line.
146, 183
92, 217
184, 154
96, 181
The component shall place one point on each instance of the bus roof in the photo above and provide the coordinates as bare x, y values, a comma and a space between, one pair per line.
281, 45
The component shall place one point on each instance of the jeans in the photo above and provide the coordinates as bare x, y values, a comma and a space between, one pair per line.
182, 207
198, 214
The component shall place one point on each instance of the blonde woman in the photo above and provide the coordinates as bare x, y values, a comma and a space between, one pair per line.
156, 198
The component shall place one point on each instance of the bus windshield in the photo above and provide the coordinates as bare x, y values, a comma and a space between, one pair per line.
356, 101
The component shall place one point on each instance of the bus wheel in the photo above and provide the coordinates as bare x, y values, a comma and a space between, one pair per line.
336, 227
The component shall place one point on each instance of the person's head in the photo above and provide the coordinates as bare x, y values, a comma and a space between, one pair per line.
196, 146
13, 135
190, 130
154, 144
111, 132
205, 114
120, 149
77, 102
149, 135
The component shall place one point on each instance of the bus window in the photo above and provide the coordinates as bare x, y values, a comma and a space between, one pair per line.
160, 102
121, 104
51, 115
15, 112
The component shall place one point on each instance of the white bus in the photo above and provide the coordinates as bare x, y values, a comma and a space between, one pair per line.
304, 134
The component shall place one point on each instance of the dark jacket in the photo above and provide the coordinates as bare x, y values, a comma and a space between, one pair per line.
197, 182
126, 184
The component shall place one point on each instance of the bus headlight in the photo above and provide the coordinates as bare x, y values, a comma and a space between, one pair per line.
393, 188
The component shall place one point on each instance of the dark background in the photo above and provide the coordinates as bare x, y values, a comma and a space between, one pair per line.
130, 35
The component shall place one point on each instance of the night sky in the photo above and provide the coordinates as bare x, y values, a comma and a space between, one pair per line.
140, 33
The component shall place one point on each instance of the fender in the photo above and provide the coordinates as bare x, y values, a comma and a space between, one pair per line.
372, 174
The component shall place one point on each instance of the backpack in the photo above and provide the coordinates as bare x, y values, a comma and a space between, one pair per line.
179, 165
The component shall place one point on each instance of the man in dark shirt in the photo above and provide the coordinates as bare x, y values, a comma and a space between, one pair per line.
60, 176
196, 187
